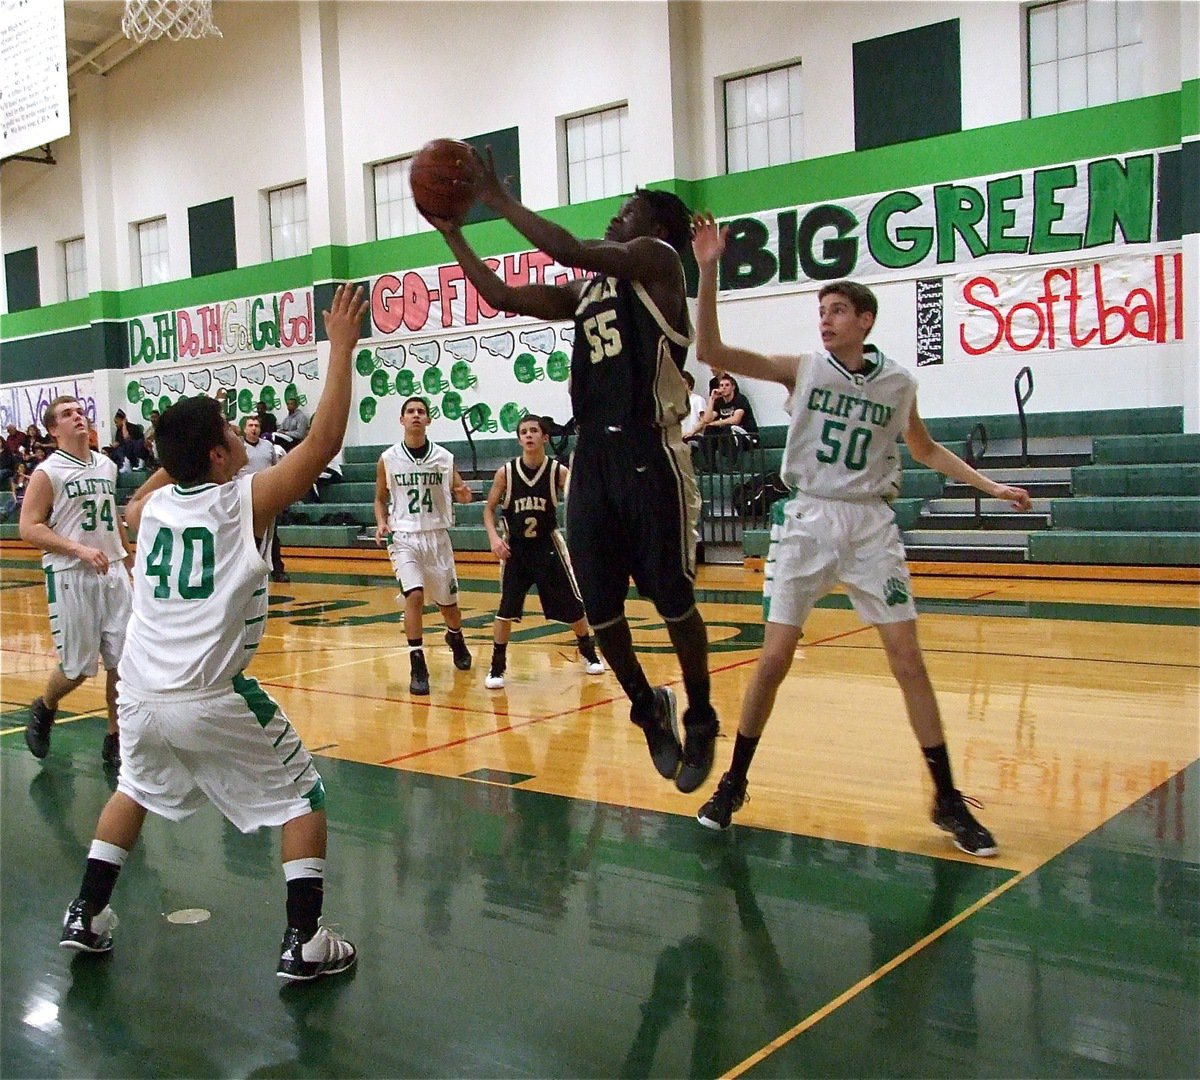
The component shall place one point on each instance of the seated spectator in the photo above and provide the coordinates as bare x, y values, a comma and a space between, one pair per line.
295, 423
128, 447
20, 481
38, 446
266, 419
16, 442
693, 426
729, 424
8, 467
151, 460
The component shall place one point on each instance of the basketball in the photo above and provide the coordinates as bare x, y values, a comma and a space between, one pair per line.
444, 179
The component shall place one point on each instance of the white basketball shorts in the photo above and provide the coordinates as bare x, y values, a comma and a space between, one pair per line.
425, 560
89, 613
818, 543
231, 746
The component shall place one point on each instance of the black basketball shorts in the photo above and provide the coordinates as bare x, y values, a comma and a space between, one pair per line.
632, 512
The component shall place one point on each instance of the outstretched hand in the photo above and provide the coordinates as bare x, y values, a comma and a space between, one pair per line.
708, 239
492, 190
343, 320
1017, 497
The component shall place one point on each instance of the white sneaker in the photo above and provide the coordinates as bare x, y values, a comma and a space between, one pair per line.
494, 682
595, 667
325, 953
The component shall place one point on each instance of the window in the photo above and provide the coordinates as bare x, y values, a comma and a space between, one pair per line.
74, 269
152, 251
598, 154
288, 211
764, 119
1083, 52
395, 212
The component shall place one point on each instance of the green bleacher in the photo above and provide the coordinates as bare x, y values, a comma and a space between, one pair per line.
1137, 503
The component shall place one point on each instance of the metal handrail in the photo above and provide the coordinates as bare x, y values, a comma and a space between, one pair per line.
1021, 399
973, 460
468, 430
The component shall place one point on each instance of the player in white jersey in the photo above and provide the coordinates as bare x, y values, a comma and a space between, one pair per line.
416, 486
849, 403
70, 512
195, 727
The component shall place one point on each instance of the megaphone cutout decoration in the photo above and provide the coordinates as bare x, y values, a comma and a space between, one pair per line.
462, 349
201, 380
255, 373
226, 376
174, 382
284, 371
309, 368
152, 385
427, 352
393, 356
539, 340
499, 344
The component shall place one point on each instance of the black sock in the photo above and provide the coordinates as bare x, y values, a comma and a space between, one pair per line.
305, 897
616, 642
414, 647
690, 638
743, 753
587, 647
939, 768
499, 656
99, 878
454, 633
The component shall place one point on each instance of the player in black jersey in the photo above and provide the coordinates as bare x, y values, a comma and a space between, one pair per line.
526, 491
635, 502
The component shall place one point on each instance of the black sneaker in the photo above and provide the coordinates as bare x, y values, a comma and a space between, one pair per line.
88, 933
953, 816
37, 731
662, 733
325, 953
727, 799
462, 655
419, 684
110, 752
699, 748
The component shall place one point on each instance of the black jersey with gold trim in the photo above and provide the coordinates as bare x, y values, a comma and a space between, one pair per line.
627, 360
530, 503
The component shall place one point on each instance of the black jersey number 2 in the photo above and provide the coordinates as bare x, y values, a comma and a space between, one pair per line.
602, 336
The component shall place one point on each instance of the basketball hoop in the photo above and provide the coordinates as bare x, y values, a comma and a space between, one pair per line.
145, 20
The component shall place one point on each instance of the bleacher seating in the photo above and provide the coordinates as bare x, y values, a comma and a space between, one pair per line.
1135, 502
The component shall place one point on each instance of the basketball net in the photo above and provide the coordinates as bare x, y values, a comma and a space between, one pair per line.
145, 20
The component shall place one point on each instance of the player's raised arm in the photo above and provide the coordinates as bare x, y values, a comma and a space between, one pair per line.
551, 302
708, 244
498, 545
277, 487
932, 454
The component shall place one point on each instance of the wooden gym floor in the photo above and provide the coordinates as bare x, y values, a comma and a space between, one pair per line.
531, 900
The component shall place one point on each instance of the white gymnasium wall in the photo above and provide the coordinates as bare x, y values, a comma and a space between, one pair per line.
730, 38
42, 206
188, 122
415, 72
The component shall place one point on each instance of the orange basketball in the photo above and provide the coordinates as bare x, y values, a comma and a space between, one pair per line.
444, 178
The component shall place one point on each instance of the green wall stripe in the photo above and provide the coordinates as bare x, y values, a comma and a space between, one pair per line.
1189, 108
1128, 126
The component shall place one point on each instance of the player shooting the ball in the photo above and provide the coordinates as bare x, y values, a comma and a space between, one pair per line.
634, 501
